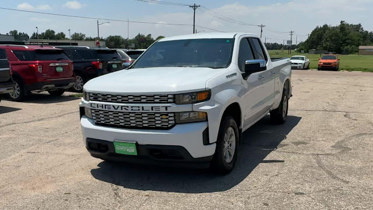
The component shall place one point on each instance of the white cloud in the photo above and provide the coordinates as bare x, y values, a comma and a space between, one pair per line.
25, 6
44, 7
73, 5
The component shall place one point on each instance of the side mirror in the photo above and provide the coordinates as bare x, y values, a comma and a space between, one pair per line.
252, 66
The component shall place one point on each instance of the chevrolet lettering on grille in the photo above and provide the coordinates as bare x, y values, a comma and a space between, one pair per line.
124, 108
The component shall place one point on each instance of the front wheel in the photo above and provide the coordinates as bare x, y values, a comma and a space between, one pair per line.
57, 92
280, 114
226, 147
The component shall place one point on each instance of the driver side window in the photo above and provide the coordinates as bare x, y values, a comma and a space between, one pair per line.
244, 54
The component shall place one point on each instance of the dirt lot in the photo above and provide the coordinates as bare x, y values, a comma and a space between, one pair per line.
320, 159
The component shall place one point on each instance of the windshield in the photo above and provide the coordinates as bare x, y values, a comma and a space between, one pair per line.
107, 55
297, 58
329, 57
211, 53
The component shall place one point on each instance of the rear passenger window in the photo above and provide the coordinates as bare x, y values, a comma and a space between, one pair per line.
244, 54
24, 55
2, 54
258, 49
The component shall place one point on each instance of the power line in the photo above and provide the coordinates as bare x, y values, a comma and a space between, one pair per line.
164, 2
226, 18
94, 18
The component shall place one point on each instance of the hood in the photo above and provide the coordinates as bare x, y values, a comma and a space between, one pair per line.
328, 60
152, 80
297, 61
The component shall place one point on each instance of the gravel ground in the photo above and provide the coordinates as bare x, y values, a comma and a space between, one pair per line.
320, 159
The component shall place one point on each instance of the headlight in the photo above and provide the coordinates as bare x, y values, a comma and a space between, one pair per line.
86, 96
190, 98
88, 112
188, 117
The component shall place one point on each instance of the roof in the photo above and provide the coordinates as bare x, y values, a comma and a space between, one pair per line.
28, 47
365, 47
206, 36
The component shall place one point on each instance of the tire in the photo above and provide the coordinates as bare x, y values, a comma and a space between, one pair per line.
57, 92
18, 93
79, 82
279, 115
226, 147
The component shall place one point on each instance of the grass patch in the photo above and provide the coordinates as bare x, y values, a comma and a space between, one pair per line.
77, 95
351, 62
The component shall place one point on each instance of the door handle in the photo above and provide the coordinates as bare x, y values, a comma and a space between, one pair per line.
261, 77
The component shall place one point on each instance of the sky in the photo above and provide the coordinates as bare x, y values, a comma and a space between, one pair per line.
128, 18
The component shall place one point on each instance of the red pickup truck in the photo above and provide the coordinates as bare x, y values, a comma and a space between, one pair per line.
41, 68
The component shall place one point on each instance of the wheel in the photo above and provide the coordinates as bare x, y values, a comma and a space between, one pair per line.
18, 93
226, 147
79, 82
337, 68
57, 92
280, 114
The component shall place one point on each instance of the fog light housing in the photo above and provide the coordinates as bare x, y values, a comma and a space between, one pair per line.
188, 117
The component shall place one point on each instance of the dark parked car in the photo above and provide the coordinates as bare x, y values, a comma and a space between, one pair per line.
40, 68
91, 62
135, 53
6, 83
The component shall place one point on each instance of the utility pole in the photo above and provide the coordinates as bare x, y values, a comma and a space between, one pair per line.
261, 29
291, 41
194, 7
98, 29
128, 28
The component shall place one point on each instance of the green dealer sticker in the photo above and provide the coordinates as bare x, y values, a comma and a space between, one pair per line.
125, 148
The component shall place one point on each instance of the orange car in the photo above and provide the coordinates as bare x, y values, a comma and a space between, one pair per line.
328, 61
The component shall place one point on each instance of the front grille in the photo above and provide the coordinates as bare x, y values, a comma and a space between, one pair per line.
327, 63
133, 119
131, 98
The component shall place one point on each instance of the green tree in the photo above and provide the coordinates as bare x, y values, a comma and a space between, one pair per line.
19, 36
115, 42
60, 36
78, 36
48, 34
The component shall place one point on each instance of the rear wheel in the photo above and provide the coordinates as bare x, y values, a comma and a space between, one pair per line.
79, 82
280, 114
226, 147
18, 93
57, 92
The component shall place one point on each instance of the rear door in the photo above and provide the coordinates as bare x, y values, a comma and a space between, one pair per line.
55, 64
4, 67
265, 77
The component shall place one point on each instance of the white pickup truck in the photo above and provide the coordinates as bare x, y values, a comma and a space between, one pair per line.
185, 99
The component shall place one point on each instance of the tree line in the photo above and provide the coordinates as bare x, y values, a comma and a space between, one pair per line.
139, 41
343, 39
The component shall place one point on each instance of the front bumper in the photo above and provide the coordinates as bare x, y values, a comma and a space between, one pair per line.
185, 140
297, 65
